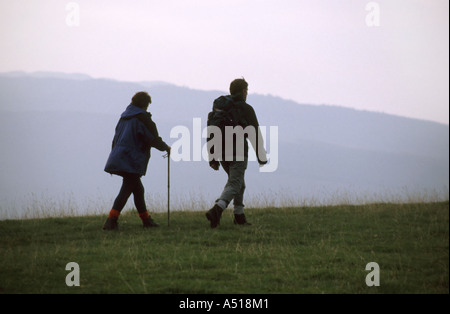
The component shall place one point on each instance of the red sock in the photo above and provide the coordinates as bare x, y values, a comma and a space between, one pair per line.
113, 213
144, 215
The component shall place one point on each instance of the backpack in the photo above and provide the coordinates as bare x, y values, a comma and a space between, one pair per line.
225, 112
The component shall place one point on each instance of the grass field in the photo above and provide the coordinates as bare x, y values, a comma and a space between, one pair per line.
286, 250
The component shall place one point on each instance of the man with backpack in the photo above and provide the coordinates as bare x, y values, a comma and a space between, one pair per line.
232, 112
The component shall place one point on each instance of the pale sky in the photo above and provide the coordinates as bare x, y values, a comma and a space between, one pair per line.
313, 52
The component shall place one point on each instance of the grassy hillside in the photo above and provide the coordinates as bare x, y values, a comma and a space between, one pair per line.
286, 250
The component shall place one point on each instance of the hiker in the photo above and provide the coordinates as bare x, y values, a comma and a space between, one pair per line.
234, 163
135, 134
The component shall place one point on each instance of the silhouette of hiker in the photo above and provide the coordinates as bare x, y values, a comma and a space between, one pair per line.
235, 168
135, 134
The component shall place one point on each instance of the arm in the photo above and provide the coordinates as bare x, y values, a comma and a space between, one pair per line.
258, 145
157, 142
212, 162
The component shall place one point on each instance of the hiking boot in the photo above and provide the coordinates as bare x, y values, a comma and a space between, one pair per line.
110, 224
149, 223
213, 215
239, 219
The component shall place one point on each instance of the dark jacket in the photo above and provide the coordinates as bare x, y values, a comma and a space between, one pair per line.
135, 134
247, 118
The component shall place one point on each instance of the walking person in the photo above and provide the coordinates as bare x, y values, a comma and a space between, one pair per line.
235, 164
135, 134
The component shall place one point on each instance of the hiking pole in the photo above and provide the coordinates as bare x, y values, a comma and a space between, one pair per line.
168, 188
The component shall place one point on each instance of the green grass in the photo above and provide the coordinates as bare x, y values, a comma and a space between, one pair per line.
286, 250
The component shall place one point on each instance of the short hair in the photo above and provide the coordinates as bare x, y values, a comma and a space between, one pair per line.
237, 86
141, 99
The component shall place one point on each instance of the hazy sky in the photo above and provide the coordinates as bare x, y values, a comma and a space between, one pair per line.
314, 52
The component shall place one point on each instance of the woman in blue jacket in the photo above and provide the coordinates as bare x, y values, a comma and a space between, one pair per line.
135, 134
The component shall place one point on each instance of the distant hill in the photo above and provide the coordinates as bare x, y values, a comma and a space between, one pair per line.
56, 131
44, 74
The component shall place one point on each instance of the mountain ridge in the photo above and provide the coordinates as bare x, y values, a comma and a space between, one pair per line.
56, 133
151, 84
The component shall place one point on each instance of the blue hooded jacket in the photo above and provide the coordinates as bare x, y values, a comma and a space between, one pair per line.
132, 142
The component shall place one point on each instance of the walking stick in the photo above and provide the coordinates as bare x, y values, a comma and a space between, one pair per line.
168, 188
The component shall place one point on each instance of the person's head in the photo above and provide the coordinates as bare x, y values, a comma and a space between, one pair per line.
239, 86
141, 100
